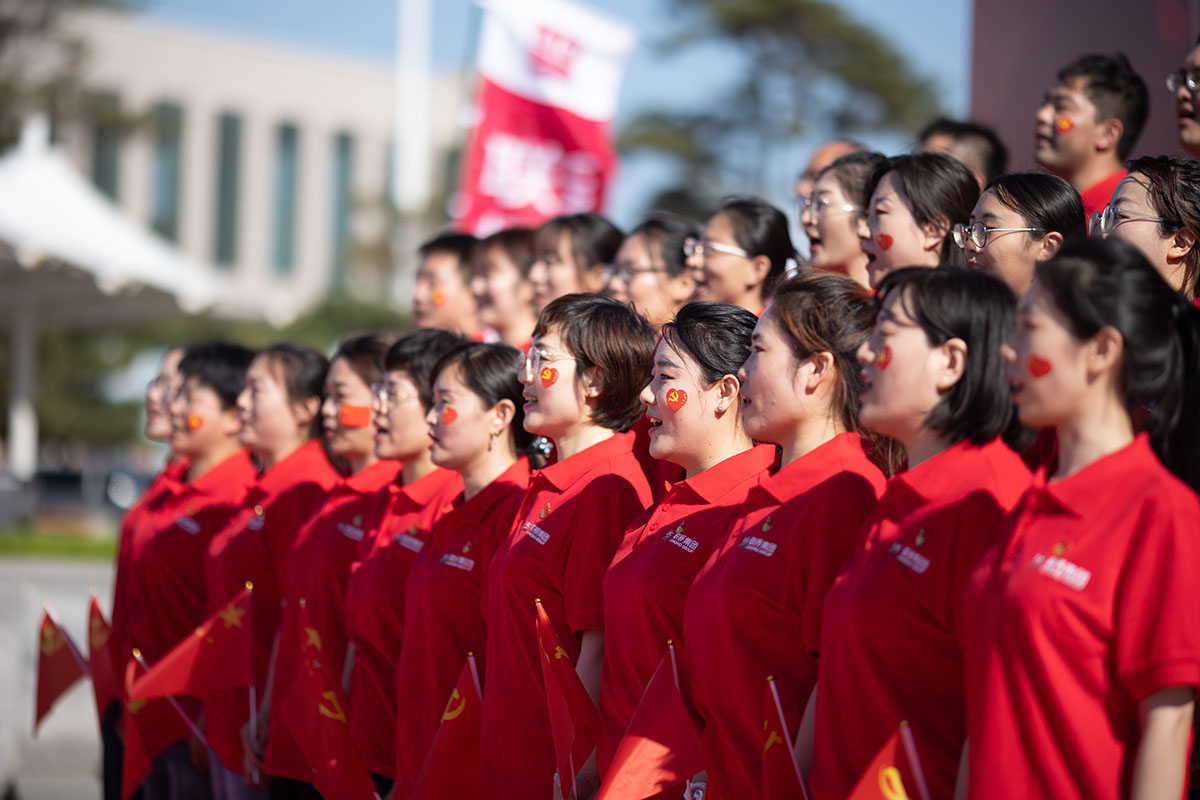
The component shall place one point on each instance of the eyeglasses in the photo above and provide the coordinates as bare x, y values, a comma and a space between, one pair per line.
534, 358
978, 233
1104, 222
705, 248
822, 205
1181, 78
627, 272
388, 395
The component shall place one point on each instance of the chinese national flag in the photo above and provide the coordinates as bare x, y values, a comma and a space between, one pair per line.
660, 748
105, 683
451, 769
59, 665
151, 726
316, 714
780, 772
217, 656
574, 722
895, 773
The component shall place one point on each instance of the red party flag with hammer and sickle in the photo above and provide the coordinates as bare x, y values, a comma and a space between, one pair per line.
451, 769
59, 664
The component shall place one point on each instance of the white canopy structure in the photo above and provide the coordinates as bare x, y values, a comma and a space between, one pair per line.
69, 258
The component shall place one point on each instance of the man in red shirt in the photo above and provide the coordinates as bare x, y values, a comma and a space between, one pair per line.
1087, 125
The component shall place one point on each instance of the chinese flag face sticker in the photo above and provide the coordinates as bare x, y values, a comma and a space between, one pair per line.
884, 358
549, 376
884, 241
676, 399
354, 416
194, 421
1038, 366
449, 414
1064, 124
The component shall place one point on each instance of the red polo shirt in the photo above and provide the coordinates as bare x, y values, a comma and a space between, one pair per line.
562, 540
755, 608
648, 581
1096, 196
375, 608
318, 568
136, 528
443, 619
1088, 607
253, 547
889, 647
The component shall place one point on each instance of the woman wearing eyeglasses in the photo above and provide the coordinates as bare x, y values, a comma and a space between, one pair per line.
1021, 220
916, 200
583, 376
1156, 207
743, 254
651, 271
832, 214
1184, 84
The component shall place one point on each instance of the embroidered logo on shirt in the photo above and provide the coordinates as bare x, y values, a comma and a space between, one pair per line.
767, 524
467, 547
351, 531
408, 541
909, 557
677, 538
458, 562
756, 545
542, 514
535, 532
921, 538
188, 524
260, 519
1066, 572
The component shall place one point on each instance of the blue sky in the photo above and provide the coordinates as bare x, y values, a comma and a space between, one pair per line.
933, 34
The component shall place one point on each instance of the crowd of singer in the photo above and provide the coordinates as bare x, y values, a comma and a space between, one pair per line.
943, 470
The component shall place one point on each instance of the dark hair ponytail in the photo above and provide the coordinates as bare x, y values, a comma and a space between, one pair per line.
1108, 282
491, 372
716, 334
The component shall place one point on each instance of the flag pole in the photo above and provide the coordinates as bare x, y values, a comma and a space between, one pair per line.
786, 737
910, 750
253, 695
137, 654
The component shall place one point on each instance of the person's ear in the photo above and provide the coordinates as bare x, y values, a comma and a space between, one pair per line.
502, 416
953, 364
933, 235
728, 389
822, 369
1104, 351
591, 381
231, 421
760, 268
1183, 241
307, 410
1048, 246
1108, 135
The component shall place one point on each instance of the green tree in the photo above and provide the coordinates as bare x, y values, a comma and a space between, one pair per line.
811, 69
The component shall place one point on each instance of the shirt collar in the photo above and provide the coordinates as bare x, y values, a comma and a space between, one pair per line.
1099, 193
936, 476
307, 459
709, 486
563, 473
515, 477
1078, 492
423, 490
374, 478
815, 466
235, 470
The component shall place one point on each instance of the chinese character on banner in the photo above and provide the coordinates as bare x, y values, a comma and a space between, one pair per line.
549, 71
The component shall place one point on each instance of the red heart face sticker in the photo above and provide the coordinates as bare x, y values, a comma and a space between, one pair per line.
884, 241
1038, 366
549, 376
1064, 124
354, 416
449, 414
884, 358
676, 398
194, 421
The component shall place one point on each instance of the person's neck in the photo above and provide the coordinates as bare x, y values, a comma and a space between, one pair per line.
204, 462
1094, 171
360, 461
1102, 427
808, 437
856, 270
923, 445
518, 330
414, 469
270, 458
579, 439
726, 444
490, 465
752, 301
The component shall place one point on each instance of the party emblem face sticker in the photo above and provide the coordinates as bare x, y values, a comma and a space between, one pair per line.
354, 416
884, 358
1064, 124
194, 421
884, 241
549, 376
449, 414
676, 399
438, 298
1038, 366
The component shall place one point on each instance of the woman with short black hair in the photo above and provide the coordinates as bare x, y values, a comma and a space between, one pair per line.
743, 254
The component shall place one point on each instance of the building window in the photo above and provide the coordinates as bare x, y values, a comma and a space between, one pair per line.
287, 158
229, 146
343, 172
104, 110
167, 121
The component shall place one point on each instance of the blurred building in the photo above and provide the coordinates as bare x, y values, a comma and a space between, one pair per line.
271, 162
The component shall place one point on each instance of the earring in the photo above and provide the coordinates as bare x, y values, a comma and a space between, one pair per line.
720, 408
491, 441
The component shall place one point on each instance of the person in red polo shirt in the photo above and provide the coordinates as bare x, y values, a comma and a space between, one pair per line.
167, 596
888, 652
1082, 627
476, 425
422, 494
319, 562
693, 402
278, 406
157, 429
501, 286
1088, 124
588, 363
794, 532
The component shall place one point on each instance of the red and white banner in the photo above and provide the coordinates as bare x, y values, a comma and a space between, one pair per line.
549, 73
